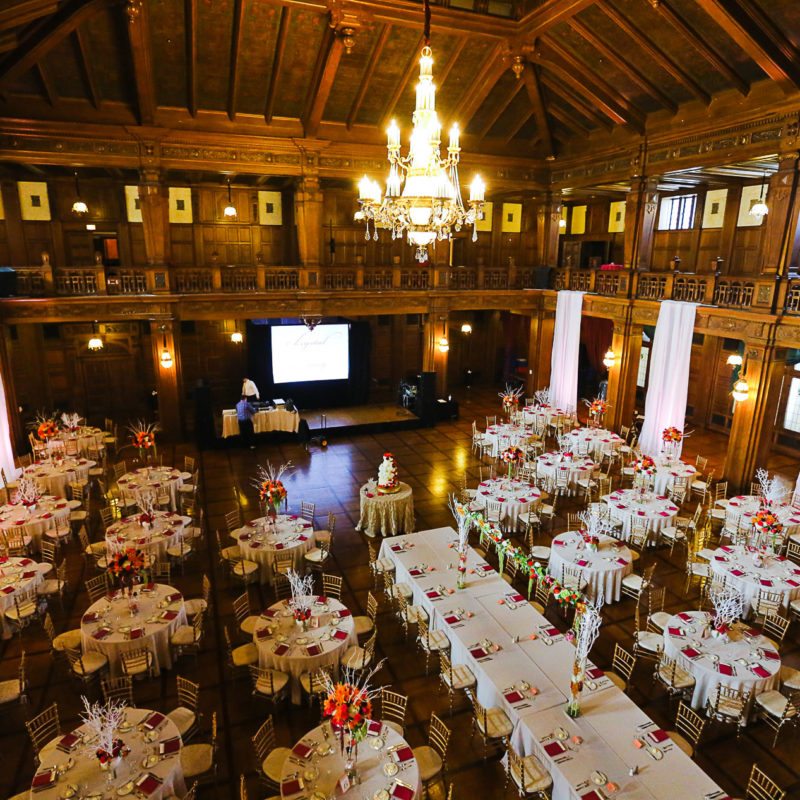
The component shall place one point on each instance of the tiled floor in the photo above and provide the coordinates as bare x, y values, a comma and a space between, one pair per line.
430, 460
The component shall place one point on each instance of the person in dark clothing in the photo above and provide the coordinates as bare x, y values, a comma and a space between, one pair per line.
244, 413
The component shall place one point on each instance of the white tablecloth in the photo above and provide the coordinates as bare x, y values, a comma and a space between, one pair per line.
656, 510
165, 531
578, 467
86, 771
602, 569
609, 719
84, 437
386, 514
35, 521
747, 506
667, 469
515, 496
259, 541
320, 773
52, 477
775, 574
594, 441
544, 414
684, 630
277, 629
114, 613
505, 435
19, 578
154, 479
278, 419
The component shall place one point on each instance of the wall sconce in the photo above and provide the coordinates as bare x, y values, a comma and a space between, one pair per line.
734, 360
166, 356
444, 345
236, 337
466, 328
79, 208
95, 341
610, 358
760, 208
741, 390
562, 223
229, 212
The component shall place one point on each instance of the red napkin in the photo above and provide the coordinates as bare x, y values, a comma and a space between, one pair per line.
396, 548
737, 572
771, 655
765, 582
170, 746
663, 513
322, 600
622, 562
591, 796
793, 584
478, 652
46, 515
501, 499
720, 558
279, 545
263, 633
255, 545
672, 631
313, 649
415, 573
558, 543
302, 750
154, 720
291, 787
281, 649
582, 563
7, 589
523, 500
402, 792
69, 742
513, 697
340, 635
760, 671
148, 784
554, 749
403, 754
690, 652
724, 669
594, 673
517, 598
136, 633
90, 616
43, 779
101, 633
658, 736
344, 612
553, 632
302, 538
271, 612
369, 494
174, 597
169, 615
452, 619
433, 594
245, 536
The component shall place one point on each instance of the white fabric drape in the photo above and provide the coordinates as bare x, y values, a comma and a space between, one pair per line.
566, 347
6, 450
668, 381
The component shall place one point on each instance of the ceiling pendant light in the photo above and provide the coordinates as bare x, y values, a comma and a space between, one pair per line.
741, 390
95, 341
166, 357
229, 212
79, 208
444, 345
423, 193
760, 209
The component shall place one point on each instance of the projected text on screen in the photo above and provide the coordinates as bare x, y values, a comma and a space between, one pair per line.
299, 354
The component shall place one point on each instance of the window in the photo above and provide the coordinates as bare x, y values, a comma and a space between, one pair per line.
791, 418
578, 220
677, 213
644, 361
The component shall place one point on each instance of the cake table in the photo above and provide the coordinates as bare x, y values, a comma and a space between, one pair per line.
386, 514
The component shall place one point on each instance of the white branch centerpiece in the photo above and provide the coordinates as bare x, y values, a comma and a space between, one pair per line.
773, 490
728, 608
71, 422
28, 493
103, 721
463, 525
269, 483
302, 589
593, 528
541, 397
146, 500
587, 626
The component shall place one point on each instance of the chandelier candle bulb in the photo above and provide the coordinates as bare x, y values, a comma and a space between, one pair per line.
454, 137
476, 190
393, 136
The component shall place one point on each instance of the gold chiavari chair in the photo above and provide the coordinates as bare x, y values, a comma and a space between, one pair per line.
761, 787
689, 727
622, 666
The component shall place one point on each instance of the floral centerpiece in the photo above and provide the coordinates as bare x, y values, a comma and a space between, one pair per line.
769, 527
587, 628
28, 493
728, 607
512, 457
71, 422
594, 528
143, 437
302, 589
671, 435
463, 526
271, 490
46, 429
644, 466
103, 721
597, 409
146, 500
510, 398
126, 566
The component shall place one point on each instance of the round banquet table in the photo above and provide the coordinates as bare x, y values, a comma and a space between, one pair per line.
667, 469
19, 578
594, 441
52, 477
108, 625
285, 646
602, 569
385, 761
163, 532
655, 510
578, 467
155, 479
148, 734
547, 414
505, 434
36, 520
748, 505
776, 574
514, 495
709, 660
386, 514
85, 437
259, 541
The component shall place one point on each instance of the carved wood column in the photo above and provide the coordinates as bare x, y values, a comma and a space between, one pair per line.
433, 359
308, 215
163, 334
781, 225
548, 214
751, 431
540, 346
626, 343
640, 222
154, 203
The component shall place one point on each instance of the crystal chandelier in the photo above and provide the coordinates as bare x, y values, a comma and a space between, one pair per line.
423, 194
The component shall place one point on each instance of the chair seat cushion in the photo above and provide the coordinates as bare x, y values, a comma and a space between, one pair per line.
363, 625
180, 552
194, 606
703, 570
395, 726
71, 639
44, 567
402, 589
382, 565
660, 619
429, 762
436, 641
774, 703
183, 636
279, 682
184, 719
540, 552
245, 568
272, 765
672, 532
413, 614
537, 778
316, 556
196, 759
248, 625
27, 609
497, 724
681, 742
74, 505
681, 680
354, 657
10, 691
536, 606
633, 581
78, 516
92, 662
794, 605
790, 678
48, 587
229, 553
652, 642
462, 677
244, 655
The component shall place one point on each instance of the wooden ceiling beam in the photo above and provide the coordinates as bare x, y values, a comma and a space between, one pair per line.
412, 67
609, 54
46, 36
756, 35
441, 76
25, 12
530, 77
521, 122
501, 109
568, 121
330, 55
87, 71
374, 59
585, 109
190, 33
550, 13
277, 62
236, 45
477, 91
139, 40
655, 52
701, 46
47, 84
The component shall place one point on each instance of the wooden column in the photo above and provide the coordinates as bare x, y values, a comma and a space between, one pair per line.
15, 235
751, 431
782, 221
433, 360
640, 222
548, 214
627, 346
730, 227
16, 431
540, 349
154, 203
308, 215
168, 379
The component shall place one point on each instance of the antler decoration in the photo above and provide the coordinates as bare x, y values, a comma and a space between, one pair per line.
595, 525
302, 588
542, 397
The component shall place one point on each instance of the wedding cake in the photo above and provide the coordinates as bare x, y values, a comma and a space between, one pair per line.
387, 475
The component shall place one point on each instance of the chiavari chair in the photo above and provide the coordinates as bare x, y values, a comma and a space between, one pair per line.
761, 787
622, 666
456, 678
528, 774
689, 727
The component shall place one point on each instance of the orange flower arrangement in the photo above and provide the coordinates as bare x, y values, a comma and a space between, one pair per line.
47, 430
126, 563
348, 707
672, 434
144, 440
767, 522
273, 492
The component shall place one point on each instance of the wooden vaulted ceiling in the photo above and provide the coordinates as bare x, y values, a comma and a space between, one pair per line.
279, 67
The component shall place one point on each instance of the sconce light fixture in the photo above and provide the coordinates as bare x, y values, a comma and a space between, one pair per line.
166, 356
741, 390
95, 341
610, 358
466, 328
229, 212
236, 337
734, 360
444, 345
760, 209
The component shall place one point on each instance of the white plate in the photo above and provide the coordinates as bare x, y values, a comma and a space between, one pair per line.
390, 769
381, 794
125, 789
599, 778
301, 640
561, 734
70, 790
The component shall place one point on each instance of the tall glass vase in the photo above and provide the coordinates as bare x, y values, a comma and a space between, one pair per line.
575, 688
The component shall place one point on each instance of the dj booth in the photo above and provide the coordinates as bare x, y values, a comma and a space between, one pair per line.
265, 420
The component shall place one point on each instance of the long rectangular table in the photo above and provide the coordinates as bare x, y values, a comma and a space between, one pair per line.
609, 719
276, 419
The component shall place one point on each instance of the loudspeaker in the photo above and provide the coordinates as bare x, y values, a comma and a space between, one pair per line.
425, 406
541, 278
8, 282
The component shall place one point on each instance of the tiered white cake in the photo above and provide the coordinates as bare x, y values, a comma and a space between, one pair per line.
387, 475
